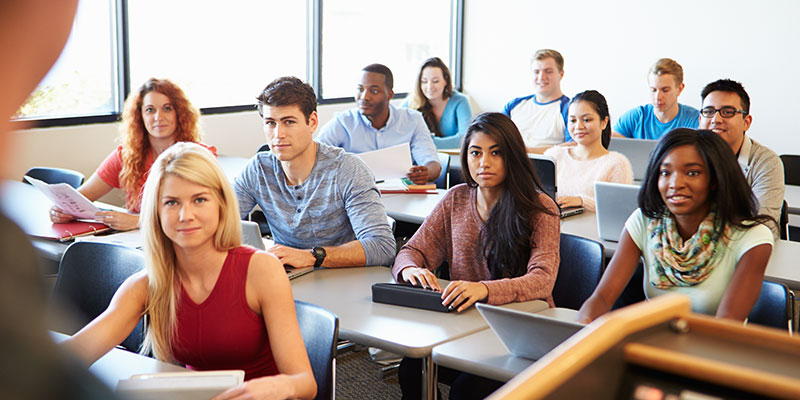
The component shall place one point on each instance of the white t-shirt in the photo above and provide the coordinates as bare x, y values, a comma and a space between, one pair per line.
540, 124
705, 296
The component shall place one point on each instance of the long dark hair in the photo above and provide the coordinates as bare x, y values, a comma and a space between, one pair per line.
600, 106
735, 201
506, 237
419, 102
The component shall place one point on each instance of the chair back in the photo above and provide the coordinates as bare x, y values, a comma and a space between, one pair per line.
320, 330
783, 224
441, 181
773, 307
580, 270
88, 276
56, 175
264, 147
791, 169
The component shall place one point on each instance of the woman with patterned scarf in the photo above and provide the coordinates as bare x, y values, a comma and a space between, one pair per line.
697, 228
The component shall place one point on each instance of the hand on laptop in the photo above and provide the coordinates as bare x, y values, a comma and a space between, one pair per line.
569, 201
418, 174
421, 277
291, 256
463, 294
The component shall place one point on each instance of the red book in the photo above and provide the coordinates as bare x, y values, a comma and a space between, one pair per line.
66, 231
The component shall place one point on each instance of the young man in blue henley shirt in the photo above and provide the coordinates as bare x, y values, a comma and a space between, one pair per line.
321, 203
664, 113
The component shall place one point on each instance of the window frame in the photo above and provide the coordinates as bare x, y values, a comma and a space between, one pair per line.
313, 67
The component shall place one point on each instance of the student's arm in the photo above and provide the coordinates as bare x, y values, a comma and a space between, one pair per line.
332, 133
745, 285
115, 323
424, 153
463, 115
243, 186
266, 280
769, 189
617, 134
615, 278
350, 254
426, 250
542, 268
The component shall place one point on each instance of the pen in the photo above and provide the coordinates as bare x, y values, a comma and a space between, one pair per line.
379, 181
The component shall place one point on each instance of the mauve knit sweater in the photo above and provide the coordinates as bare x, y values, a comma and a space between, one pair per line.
452, 233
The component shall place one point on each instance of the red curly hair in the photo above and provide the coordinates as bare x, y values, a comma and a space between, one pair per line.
135, 142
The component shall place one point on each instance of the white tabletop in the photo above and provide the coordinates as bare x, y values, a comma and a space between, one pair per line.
412, 332
483, 354
411, 207
121, 364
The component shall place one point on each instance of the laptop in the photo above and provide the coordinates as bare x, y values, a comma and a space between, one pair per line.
637, 151
545, 168
615, 202
527, 335
251, 235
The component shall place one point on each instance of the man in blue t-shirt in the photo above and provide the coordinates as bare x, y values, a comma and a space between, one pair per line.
664, 114
542, 116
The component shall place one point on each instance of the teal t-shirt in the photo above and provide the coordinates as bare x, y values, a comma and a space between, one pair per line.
641, 123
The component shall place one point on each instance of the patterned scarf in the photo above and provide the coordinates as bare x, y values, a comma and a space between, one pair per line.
683, 264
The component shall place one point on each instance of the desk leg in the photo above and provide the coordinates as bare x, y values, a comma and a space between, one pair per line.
429, 378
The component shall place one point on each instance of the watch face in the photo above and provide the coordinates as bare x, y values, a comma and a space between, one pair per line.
318, 252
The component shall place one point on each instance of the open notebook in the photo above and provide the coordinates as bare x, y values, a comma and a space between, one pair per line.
190, 385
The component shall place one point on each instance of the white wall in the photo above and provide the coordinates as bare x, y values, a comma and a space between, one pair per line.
610, 45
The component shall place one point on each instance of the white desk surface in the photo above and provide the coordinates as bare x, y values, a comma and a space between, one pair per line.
121, 364
483, 354
407, 331
411, 207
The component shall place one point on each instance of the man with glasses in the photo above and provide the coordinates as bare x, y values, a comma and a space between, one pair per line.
726, 112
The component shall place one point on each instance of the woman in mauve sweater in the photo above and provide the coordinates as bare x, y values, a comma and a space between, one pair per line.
498, 232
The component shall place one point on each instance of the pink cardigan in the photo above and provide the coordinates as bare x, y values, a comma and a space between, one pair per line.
452, 233
577, 178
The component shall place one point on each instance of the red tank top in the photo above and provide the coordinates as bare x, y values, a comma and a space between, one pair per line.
223, 332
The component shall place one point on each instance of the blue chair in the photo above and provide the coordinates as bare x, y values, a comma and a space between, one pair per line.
320, 330
441, 181
773, 307
88, 276
56, 175
579, 272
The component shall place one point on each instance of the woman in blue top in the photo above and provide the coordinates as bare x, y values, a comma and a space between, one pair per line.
446, 111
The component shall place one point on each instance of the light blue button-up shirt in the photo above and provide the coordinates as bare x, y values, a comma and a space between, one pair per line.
354, 132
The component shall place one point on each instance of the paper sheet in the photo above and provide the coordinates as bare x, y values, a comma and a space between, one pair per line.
390, 162
67, 198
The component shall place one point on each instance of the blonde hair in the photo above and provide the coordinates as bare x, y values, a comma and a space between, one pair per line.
549, 53
196, 164
668, 66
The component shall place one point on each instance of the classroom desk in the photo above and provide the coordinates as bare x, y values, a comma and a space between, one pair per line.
411, 207
347, 292
484, 355
121, 364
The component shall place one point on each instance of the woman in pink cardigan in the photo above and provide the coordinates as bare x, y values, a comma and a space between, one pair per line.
498, 233
589, 161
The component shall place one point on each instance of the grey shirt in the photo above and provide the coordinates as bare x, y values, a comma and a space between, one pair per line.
336, 204
764, 172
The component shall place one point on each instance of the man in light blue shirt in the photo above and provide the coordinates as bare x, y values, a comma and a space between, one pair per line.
664, 114
376, 124
321, 203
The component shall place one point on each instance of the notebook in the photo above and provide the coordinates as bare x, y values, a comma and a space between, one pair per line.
251, 235
637, 151
546, 170
527, 335
615, 202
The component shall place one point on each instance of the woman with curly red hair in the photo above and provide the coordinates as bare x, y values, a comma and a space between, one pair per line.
155, 117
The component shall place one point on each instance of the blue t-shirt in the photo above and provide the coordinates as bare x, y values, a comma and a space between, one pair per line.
641, 123
454, 122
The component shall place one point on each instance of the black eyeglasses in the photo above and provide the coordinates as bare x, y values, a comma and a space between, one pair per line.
725, 112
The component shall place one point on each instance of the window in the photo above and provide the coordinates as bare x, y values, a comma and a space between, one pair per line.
219, 53
400, 35
83, 81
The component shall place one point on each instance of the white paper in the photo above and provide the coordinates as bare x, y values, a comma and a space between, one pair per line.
66, 198
390, 162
